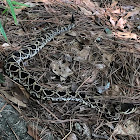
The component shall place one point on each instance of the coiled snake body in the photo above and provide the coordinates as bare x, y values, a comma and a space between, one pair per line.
13, 69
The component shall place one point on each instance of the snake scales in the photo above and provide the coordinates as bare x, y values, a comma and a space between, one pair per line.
13, 69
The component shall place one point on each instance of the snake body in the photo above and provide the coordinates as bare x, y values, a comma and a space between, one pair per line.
13, 69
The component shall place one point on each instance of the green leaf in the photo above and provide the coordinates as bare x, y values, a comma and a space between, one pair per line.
2, 31
12, 10
20, 4
5, 11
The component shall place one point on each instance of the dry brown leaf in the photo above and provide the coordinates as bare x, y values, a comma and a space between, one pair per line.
126, 35
83, 54
128, 128
132, 13
61, 69
78, 2
94, 7
33, 133
114, 3
137, 47
31, 4
107, 58
137, 81
115, 90
100, 66
61, 88
14, 99
85, 11
89, 4
113, 22
45, 1
121, 23
72, 33
93, 76
50, 1
130, 50
117, 11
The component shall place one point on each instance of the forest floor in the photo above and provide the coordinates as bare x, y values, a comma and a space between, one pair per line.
100, 58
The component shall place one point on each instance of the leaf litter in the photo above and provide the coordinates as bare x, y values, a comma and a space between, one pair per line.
85, 60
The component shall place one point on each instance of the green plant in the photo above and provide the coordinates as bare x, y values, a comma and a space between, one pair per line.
2, 31
10, 8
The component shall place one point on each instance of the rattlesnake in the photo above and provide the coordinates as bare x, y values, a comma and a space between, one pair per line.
13, 69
